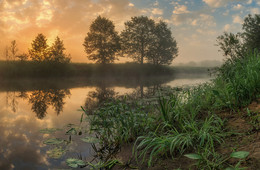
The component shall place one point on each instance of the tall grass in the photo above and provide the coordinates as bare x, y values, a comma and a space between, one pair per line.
189, 116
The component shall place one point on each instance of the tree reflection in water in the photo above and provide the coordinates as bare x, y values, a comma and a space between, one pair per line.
98, 97
40, 100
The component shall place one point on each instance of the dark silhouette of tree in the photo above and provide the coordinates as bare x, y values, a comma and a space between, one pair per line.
57, 52
164, 47
7, 53
102, 42
137, 37
13, 50
231, 45
22, 57
39, 50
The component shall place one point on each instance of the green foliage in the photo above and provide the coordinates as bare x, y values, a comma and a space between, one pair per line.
53, 141
238, 45
75, 163
164, 47
212, 160
118, 122
143, 39
251, 32
89, 139
137, 37
102, 42
56, 153
231, 45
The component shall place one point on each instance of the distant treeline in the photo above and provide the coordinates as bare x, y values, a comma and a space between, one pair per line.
31, 69
143, 40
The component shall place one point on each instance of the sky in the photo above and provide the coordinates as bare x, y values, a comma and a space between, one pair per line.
195, 24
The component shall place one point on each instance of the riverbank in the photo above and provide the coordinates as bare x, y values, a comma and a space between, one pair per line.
210, 126
29, 69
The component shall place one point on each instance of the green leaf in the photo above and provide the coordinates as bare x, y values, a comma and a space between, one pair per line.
75, 163
56, 153
193, 156
239, 154
215, 92
90, 140
71, 131
53, 141
48, 130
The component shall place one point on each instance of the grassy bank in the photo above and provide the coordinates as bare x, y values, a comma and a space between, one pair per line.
186, 125
29, 69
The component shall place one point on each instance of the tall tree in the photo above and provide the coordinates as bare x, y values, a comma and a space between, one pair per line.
237, 45
251, 32
137, 37
39, 50
231, 45
102, 41
164, 47
57, 52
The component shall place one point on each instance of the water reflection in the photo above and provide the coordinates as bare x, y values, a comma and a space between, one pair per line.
21, 143
98, 96
40, 100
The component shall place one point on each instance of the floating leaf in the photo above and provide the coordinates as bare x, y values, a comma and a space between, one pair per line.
48, 130
53, 141
90, 139
75, 163
71, 131
193, 156
56, 153
239, 154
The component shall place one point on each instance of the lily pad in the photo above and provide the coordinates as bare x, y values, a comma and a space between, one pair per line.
75, 163
56, 153
89, 139
53, 141
71, 131
48, 130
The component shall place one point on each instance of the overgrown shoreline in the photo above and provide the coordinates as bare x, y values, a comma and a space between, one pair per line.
187, 124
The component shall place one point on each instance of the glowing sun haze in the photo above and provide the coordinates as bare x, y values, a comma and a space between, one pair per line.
195, 24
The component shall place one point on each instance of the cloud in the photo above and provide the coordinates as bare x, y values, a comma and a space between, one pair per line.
157, 11
254, 11
249, 1
180, 9
227, 27
216, 3
237, 7
131, 4
237, 19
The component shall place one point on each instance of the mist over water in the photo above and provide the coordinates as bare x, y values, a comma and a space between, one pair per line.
28, 106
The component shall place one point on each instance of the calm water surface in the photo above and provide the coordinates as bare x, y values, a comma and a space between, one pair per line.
26, 108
